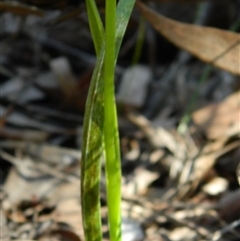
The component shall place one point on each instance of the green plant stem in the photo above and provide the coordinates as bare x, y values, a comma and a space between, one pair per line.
95, 24
140, 41
111, 140
95, 126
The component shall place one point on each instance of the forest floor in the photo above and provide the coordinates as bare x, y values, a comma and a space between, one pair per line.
179, 124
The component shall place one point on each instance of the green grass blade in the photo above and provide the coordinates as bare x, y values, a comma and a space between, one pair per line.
93, 131
93, 136
140, 41
124, 10
91, 155
111, 142
95, 24
111, 138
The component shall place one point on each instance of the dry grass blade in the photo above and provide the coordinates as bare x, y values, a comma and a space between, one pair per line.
227, 229
218, 47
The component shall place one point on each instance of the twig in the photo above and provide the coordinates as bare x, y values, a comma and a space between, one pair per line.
219, 234
39, 167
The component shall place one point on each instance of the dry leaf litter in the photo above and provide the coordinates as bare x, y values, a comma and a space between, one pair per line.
179, 129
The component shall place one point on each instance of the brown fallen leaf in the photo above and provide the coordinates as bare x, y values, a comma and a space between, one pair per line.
20, 9
196, 170
138, 185
219, 120
229, 206
159, 137
218, 47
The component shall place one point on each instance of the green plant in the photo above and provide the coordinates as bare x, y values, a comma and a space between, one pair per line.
100, 134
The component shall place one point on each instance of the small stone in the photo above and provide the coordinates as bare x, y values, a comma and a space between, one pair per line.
216, 186
133, 88
131, 230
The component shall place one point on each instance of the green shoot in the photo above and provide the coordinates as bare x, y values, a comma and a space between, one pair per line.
100, 122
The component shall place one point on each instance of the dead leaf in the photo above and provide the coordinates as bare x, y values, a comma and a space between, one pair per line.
195, 171
216, 186
218, 47
66, 234
183, 233
220, 120
229, 206
20, 9
67, 81
159, 137
138, 185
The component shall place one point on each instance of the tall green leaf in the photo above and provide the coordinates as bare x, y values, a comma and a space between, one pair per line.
95, 24
92, 141
91, 155
112, 153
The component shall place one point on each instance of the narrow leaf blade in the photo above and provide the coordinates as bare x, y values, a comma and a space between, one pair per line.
91, 155
93, 134
111, 137
95, 24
